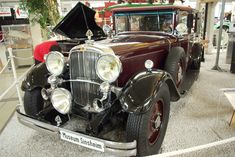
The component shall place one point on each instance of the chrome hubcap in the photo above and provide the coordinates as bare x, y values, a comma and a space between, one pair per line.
180, 73
157, 121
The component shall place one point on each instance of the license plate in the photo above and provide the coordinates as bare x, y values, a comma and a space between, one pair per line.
81, 140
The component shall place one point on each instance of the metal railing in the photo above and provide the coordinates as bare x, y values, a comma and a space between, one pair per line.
16, 79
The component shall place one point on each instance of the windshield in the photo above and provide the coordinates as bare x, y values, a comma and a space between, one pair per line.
144, 21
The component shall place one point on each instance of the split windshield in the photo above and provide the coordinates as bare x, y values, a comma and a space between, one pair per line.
144, 21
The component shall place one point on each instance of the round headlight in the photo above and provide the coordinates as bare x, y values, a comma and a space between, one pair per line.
55, 63
108, 68
61, 100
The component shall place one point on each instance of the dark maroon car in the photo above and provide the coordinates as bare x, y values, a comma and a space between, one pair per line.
122, 84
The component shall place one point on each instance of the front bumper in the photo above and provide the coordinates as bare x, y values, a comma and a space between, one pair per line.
115, 148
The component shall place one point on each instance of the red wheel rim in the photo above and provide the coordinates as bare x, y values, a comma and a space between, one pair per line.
155, 122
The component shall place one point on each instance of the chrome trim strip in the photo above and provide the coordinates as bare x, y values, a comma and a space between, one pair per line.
114, 89
115, 148
36, 127
81, 80
116, 152
109, 144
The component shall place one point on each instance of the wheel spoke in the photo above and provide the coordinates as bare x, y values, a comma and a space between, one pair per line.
153, 136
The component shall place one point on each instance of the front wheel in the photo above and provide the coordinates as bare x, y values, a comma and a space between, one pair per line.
33, 102
149, 128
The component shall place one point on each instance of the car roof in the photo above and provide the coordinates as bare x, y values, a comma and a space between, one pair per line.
147, 7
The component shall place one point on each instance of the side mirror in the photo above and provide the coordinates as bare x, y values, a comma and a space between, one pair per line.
190, 21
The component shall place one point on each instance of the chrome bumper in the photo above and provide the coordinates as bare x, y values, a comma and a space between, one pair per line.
115, 148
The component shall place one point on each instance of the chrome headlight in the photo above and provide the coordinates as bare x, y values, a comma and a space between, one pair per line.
55, 63
61, 100
108, 68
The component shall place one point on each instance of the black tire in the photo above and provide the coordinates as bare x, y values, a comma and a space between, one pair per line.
33, 102
196, 55
174, 62
196, 64
140, 127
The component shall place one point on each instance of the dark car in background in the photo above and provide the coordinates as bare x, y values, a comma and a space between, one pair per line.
121, 84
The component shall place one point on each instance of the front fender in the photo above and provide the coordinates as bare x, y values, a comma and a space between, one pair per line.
36, 77
136, 96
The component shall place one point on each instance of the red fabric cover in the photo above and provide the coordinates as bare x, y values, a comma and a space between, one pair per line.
42, 49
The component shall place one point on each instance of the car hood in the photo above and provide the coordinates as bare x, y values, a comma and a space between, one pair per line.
76, 23
131, 42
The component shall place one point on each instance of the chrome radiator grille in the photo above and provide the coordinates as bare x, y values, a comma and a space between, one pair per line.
82, 66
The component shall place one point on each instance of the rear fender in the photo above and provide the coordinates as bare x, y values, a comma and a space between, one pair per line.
36, 77
196, 51
138, 93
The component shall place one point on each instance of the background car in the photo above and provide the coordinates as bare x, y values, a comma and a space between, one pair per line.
225, 26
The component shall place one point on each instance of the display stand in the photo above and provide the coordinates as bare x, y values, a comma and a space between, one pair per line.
230, 95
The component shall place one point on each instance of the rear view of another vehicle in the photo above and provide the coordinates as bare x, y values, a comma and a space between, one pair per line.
225, 29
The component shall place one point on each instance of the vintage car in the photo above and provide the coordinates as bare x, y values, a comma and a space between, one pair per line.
117, 90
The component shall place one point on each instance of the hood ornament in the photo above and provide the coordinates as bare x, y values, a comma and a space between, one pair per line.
89, 34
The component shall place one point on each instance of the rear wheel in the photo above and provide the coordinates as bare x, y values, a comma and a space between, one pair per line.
175, 65
149, 128
33, 102
196, 55
196, 64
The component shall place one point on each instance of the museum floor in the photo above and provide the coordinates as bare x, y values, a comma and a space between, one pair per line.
198, 118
